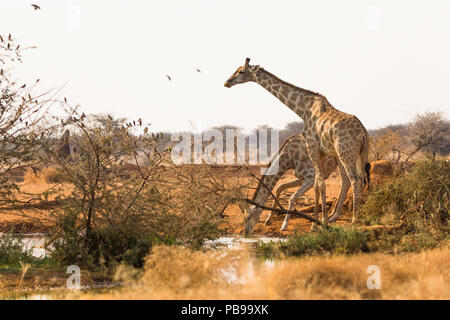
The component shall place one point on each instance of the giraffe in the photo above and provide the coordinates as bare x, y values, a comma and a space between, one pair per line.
291, 155
328, 132
63, 149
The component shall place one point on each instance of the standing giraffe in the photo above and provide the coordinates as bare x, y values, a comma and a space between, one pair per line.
63, 148
328, 132
291, 155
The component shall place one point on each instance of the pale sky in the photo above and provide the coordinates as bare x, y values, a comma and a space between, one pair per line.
383, 61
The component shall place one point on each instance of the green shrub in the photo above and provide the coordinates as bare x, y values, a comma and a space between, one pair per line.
341, 240
333, 240
12, 252
127, 196
124, 240
416, 202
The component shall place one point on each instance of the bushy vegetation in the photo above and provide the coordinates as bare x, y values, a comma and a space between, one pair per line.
342, 240
331, 240
113, 191
408, 213
13, 253
427, 134
23, 119
413, 202
117, 210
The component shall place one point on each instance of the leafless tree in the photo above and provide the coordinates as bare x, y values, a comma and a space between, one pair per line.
382, 144
23, 118
429, 132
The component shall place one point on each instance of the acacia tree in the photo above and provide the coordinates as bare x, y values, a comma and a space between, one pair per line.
108, 205
429, 132
23, 121
117, 194
384, 143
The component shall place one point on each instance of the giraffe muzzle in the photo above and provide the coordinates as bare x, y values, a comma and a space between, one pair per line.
228, 83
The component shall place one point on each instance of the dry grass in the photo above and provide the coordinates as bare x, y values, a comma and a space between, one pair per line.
178, 273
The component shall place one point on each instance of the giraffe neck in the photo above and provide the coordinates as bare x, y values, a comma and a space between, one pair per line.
267, 183
297, 99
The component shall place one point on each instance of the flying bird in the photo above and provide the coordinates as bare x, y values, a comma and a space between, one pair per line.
168, 77
198, 70
35, 6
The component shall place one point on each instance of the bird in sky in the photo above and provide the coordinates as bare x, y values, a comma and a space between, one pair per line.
168, 77
35, 6
198, 70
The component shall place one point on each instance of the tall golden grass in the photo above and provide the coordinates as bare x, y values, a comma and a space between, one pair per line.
178, 273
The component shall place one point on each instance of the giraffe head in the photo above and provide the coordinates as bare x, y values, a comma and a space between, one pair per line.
251, 217
242, 74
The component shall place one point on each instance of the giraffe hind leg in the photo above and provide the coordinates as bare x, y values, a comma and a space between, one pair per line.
309, 182
345, 185
356, 183
316, 203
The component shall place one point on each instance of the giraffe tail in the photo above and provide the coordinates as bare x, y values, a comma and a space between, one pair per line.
362, 164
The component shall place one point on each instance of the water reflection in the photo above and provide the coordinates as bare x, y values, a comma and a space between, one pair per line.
36, 242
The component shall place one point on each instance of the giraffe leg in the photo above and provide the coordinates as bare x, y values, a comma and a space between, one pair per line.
345, 185
278, 191
319, 183
309, 182
324, 200
355, 181
316, 203
322, 188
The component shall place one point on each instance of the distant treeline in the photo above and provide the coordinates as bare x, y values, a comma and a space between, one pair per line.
430, 132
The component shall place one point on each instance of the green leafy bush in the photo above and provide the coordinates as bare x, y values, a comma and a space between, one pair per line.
12, 252
333, 240
415, 202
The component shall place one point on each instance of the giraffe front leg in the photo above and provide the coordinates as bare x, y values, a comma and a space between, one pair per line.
309, 182
278, 191
319, 183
